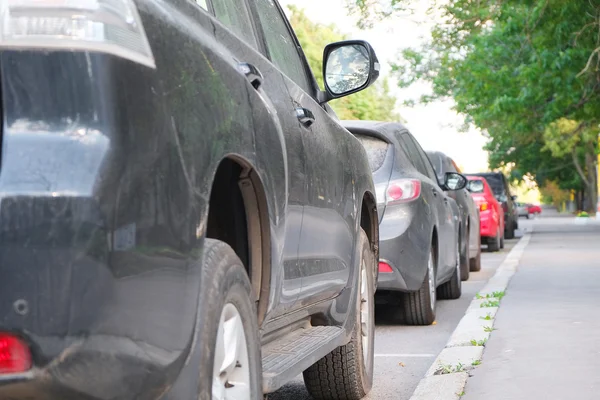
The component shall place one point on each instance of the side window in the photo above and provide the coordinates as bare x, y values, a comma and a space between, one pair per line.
456, 169
413, 153
429, 171
202, 3
234, 15
281, 44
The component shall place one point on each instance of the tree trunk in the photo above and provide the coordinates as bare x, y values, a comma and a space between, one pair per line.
592, 189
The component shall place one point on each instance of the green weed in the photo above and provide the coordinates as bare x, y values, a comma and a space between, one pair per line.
478, 343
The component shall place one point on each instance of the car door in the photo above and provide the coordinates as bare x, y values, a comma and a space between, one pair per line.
441, 201
269, 83
326, 240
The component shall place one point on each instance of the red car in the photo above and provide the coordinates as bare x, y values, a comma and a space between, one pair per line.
534, 209
491, 215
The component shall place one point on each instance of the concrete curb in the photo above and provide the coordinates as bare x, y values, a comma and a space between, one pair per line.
447, 376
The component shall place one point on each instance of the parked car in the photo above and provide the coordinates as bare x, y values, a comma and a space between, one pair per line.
470, 252
177, 203
419, 224
523, 210
534, 209
502, 192
490, 213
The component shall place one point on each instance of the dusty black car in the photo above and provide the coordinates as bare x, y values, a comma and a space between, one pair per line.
419, 224
470, 252
499, 185
177, 202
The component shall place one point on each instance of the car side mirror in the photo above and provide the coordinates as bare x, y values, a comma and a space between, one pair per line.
349, 66
475, 186
454, 181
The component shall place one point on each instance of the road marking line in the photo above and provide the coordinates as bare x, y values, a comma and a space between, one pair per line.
424, 355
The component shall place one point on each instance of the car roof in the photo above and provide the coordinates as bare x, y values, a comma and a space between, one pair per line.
485, 174
380, 129
437, 153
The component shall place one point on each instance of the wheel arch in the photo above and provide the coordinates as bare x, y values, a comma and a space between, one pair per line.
435, 245
369, 221
238, 200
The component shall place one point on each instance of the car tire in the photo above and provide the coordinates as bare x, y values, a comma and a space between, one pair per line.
494, 242
453, 288
510, 231
464, 260
502, 241
475, 263
419, 307
225, 292
347, 372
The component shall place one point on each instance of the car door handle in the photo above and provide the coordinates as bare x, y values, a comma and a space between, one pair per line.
252, 74
434, 192
305, 116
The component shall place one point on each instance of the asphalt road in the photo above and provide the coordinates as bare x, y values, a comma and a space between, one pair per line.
404, 353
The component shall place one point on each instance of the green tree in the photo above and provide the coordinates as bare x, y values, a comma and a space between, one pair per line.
526, 72
375, 103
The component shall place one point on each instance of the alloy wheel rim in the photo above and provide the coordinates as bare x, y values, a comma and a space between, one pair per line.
365, 314
231, 366
431, 282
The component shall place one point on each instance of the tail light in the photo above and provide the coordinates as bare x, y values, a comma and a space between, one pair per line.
385, 267
105, 26
483, 206
15, 356
402, 191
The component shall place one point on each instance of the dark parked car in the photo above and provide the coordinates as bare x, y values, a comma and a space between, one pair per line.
470, 252
176, 201
501, 189
419, 223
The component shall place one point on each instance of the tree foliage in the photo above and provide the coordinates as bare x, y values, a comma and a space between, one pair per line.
375, 103
526, 72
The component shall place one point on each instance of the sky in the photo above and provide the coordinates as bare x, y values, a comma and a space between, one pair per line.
435, 125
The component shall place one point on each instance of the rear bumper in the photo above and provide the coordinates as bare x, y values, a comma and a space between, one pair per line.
404, 244
488, 224
86, 371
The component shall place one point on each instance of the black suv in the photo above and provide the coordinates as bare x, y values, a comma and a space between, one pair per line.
501, 189
182, 216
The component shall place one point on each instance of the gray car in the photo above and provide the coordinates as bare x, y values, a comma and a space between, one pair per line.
419, 223
470, 251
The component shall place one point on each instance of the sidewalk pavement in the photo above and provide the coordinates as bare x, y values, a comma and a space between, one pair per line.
547, 342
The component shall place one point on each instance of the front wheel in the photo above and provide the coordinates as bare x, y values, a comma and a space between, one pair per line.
510, 232
230, 368
419, 306
475, 263
453, 288
347, 372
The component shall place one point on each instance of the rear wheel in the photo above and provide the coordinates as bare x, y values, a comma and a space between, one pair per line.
233, 369
347, 372
494, 242
502, 241
453, 288
419, 306
464, 260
